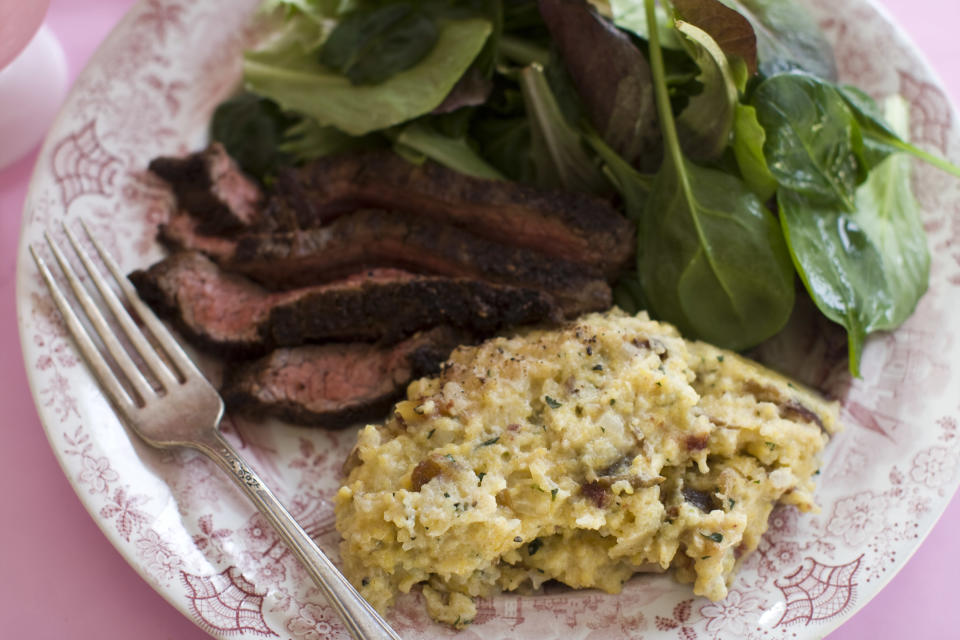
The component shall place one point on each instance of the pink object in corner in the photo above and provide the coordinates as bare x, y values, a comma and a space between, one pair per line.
19, 21
33, 77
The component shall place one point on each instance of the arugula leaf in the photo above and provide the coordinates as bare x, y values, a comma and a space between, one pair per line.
705, 125
787, 37
712, 259
813, 141
558, 152
294, 78
369, 46
251, 129
865, 268
747, 146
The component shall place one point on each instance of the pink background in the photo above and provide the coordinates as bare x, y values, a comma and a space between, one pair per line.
59, 576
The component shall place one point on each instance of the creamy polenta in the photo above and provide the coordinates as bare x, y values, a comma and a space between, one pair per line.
583, 454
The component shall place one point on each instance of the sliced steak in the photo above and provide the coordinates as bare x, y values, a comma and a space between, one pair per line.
373, 238
231, 315
573, 226
387, 310
335, 385
181, 233
211, 187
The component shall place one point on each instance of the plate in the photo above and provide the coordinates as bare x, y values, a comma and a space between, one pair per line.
179, 522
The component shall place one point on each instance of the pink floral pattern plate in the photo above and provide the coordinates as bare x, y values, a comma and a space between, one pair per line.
150, 90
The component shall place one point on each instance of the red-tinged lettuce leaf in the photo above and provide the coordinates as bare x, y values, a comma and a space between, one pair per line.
612, 78
472, 89
705, 125
732, 31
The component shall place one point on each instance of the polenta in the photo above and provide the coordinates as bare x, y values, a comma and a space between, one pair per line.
583, 454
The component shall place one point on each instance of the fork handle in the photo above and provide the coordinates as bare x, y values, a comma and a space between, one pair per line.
360, 619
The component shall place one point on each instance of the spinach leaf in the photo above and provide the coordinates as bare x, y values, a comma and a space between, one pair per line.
839, 265
879, 139
251, 129
370, 46
295, 79
874, 129
787, 37
731, 31
611, 77
712, 259
813, 141
747, 146
705, 125
628, 293
558, 153
865, 269
454, 152
890, 216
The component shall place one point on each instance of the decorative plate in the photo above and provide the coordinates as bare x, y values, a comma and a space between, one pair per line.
180, 523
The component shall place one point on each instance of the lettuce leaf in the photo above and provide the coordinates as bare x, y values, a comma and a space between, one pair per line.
287, 70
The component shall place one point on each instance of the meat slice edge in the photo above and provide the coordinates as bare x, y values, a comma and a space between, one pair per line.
335, 385
375, 238
211, 187
228, 314
574, 226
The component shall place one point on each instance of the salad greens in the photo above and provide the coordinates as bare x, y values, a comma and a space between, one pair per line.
713, 258
721, 133
867, 266
369, 46
296, 79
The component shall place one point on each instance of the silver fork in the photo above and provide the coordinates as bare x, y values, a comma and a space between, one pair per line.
184, 412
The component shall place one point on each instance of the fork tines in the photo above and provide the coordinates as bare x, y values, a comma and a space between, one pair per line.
134, 390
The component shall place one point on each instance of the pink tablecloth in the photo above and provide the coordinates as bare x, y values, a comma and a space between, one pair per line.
61, 579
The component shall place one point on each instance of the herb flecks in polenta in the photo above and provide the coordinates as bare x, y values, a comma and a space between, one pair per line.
661, 459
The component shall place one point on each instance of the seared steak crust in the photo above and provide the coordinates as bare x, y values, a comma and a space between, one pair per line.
573, 226
229, 314
373, 238
388, 311
212, 188
335, 385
